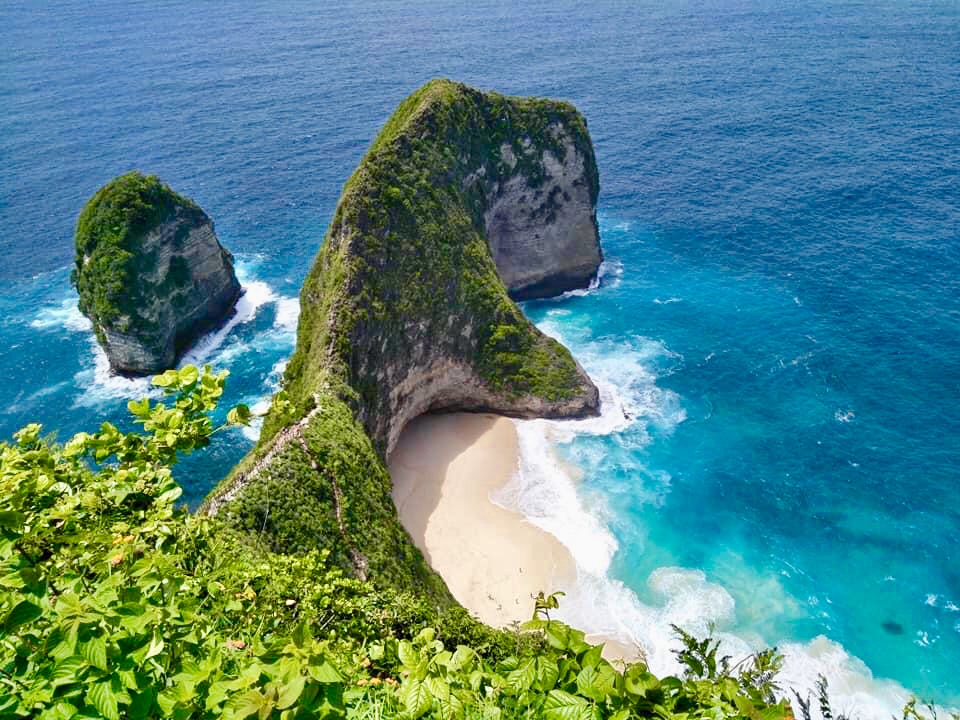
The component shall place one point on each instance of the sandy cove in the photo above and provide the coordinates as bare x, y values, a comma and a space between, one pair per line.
444, 470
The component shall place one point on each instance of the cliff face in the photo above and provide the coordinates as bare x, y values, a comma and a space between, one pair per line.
542, 228
405, 312
151, 274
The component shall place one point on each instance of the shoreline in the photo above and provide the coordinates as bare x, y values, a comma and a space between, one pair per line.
445, 469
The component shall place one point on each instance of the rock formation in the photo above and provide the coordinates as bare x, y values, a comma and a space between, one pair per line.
151, 275
542, 225
406, 311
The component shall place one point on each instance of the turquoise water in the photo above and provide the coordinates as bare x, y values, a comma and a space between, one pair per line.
777, 331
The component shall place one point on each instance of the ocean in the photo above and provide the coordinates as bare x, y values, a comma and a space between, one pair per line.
776, 333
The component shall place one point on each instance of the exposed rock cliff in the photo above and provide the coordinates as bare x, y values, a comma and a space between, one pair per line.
404, 312
150, 273
540, 219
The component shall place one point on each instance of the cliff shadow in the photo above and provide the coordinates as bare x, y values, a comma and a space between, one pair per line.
437, 454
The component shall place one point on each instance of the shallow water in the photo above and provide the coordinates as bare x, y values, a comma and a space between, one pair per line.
780, 317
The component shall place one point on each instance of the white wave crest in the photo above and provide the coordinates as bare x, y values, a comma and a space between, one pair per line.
288, 314
256, 294
66, 315
260, 405
853, 688
100, 385
609, 275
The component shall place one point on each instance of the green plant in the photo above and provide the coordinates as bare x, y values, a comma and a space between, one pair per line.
567, 678
108, 236
116, 604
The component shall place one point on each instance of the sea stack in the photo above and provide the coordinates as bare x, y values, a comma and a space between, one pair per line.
466, 201
150, 272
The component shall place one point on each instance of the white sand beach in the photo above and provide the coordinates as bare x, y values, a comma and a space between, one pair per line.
444, 469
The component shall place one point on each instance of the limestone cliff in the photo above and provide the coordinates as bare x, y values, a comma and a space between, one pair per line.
540, 216
150, 272
404, 312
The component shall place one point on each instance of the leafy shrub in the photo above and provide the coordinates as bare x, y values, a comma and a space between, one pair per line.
115, 604
568, 679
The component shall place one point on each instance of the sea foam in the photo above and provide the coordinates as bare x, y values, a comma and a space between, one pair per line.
65, 315
100, 385
609, 274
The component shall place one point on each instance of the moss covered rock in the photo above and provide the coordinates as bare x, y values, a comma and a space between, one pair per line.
404, 312
150, 272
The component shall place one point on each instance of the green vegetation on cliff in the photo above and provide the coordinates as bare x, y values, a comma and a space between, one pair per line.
115, 604
403, 312
407, 242
108, 234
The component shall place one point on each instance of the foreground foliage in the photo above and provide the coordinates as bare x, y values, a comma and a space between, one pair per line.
116, 604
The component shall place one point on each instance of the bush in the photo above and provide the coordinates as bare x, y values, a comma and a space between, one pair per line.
114, 603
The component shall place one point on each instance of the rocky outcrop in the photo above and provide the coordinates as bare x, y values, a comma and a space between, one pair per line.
543, 230
406, 311
150, 272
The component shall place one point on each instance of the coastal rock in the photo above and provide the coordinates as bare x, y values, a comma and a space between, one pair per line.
541, 222
150, 272
406, 311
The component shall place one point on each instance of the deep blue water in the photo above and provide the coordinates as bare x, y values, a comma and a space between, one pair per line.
779, 206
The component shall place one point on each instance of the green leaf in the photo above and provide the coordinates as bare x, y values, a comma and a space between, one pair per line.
67, 671
252, 702
240, 415
141, 704
68, 645
60, 711
24, 612
102, 697
324, 672
638, 681
592, 656
140, 409
155, 648
408, 657
94, 652
558, 635
463, 658
523, 677
28, 434
188, 375
547, 673
290, 692
170, 495
597, 681
425, 636
438, 688
416, 697
562, 705
450, 706
167, 702
11, 519
302, 634
165, 380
